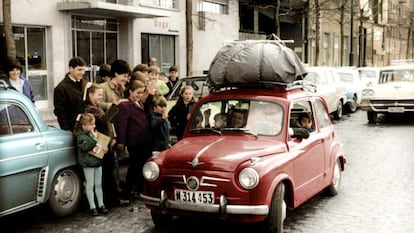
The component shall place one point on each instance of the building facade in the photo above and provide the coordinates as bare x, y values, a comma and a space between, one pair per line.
49, 33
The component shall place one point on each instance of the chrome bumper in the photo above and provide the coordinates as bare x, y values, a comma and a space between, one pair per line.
222, 208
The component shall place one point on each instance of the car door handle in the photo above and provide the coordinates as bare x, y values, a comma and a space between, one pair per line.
40, 145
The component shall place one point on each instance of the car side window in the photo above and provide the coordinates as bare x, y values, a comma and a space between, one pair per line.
13, 120
5, 128
322, 115
298, 111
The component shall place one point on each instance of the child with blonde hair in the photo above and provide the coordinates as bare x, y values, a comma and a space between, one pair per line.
86, 140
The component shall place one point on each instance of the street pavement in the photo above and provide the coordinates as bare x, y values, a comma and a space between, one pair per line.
377, 194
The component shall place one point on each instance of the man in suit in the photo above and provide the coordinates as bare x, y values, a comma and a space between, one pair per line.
68, 94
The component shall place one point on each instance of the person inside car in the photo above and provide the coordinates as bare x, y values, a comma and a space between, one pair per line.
238, 118
220, 120
305, 120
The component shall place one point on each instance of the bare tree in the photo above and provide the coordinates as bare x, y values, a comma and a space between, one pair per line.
8, 32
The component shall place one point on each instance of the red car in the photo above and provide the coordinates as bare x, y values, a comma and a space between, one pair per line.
253, 165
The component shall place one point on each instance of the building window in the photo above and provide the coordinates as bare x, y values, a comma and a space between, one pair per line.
326, 45
214, 6
31, 53
95, 40
172, 4
161, 47
246, 18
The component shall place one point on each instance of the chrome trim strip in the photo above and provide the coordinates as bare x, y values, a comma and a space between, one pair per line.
203, 181
34, 154
195, 162
14, 209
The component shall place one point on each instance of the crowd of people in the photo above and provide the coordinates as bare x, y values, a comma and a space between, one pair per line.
129, 107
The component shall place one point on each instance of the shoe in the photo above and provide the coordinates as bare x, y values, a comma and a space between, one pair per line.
94, 212
123, 202
103, 210
135, 194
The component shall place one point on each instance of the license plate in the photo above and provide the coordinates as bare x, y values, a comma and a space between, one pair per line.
194, 197
396, 109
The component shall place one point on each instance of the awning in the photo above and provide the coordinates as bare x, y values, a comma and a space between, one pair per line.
101, 8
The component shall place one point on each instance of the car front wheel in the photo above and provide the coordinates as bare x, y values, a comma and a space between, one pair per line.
353, 104
277, 213
65, 192
338, 113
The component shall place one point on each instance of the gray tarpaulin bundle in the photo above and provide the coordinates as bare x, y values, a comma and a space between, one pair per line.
251, 61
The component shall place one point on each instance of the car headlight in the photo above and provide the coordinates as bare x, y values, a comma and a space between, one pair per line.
368, 92
151, 171
248, 178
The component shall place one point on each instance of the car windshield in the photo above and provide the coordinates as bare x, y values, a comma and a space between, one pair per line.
397, 76
346, 77
238, 116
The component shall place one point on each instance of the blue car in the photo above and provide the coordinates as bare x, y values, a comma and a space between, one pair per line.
354, 85
37, 162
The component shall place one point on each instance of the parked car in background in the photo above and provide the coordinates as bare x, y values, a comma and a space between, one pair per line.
350, 77
38, 163
369, 75
330, 87
394, 92
251, 173
199, 84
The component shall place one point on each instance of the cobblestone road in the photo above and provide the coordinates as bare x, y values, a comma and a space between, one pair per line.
377, 194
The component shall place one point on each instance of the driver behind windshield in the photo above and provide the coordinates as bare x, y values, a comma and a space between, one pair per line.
238, 118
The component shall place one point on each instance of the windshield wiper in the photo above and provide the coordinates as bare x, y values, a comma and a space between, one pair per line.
243, 130
203, 130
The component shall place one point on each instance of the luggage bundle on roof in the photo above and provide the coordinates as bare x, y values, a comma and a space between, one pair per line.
252, 62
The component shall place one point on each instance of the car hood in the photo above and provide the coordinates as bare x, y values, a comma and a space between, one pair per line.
395, 90
224, 153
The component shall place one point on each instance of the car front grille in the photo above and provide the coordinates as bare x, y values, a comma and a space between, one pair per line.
383, 105
205, 181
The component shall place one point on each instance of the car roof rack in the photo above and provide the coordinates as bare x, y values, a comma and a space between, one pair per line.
297, 84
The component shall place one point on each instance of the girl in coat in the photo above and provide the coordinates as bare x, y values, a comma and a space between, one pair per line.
86, 139
180, 112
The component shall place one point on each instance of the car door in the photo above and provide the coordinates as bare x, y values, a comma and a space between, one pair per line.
324, 87
310, 156
23, 157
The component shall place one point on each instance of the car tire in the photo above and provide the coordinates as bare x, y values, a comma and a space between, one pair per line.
65, 192
352, 105
333, 188
372, 117
338, 113
277, 213
160, 220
